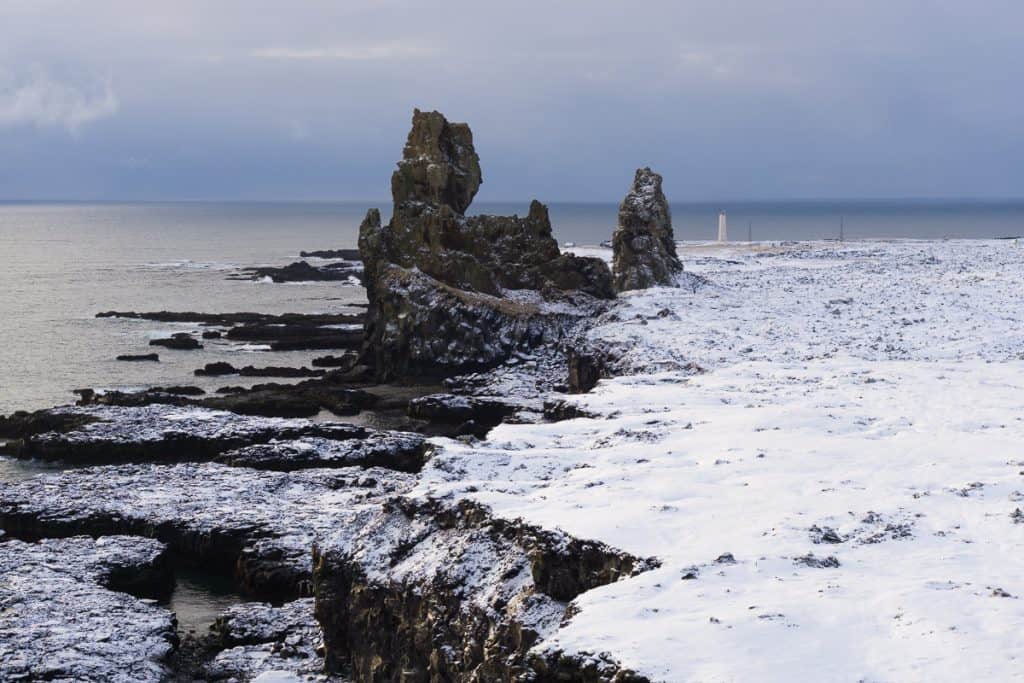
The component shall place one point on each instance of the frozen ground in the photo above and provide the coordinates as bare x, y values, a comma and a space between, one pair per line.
835, 496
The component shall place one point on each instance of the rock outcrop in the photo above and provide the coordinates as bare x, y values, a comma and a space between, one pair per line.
450, 292
643, 243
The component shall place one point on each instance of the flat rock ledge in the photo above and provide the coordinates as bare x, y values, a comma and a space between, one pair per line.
167, 433
257, 526
63, 619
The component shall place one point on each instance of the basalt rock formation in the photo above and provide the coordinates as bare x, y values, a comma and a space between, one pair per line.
450, 292
643, 243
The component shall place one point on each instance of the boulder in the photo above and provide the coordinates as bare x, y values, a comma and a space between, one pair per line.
140, 357
644, 247
181, 341
450, 292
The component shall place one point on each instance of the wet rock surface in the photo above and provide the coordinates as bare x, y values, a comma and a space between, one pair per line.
451, 293
63, 619
643, 244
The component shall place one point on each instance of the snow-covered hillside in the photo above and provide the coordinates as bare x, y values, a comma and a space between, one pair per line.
824, 446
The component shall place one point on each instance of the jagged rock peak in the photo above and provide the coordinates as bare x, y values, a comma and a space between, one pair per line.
643, 244
439, 165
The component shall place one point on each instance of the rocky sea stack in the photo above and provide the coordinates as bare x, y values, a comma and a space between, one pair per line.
450, 292
644, 245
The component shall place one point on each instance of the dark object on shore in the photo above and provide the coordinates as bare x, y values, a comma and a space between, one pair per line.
226, 319
140, 357
301, 271
347, 254
643, 244
217, 369
438, 281
182, 341
211, 334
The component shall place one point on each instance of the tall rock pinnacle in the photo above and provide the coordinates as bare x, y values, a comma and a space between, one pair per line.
439, 164
644, 247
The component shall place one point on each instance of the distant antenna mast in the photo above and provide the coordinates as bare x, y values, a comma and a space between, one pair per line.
723, 231
841, 228
750, 231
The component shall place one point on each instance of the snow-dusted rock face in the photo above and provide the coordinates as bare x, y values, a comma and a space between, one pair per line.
257, 525
643, 244
438, 281
60, 620
430, 591
835, 496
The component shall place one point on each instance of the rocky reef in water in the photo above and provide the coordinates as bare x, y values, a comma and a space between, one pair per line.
643, 244
451, 293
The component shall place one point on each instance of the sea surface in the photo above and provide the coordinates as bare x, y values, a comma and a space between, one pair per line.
61, 263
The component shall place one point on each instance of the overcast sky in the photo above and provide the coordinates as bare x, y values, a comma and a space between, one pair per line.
255, 99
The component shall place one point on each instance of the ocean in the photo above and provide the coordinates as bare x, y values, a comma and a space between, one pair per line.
61, 263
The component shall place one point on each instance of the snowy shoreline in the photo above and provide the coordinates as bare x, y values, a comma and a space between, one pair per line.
859, 407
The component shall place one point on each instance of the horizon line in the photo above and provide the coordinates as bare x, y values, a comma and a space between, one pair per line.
372, 203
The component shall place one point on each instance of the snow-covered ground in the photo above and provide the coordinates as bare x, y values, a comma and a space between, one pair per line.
833, 491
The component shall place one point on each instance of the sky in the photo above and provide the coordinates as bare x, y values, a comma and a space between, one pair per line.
727, 99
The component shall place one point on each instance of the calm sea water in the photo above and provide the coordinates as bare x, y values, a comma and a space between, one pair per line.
60, 264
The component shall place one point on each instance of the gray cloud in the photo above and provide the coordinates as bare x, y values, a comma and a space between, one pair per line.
727, 98
41, 101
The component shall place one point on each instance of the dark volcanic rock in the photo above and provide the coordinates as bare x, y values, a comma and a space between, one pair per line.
181, 341
61, 619
644, 245
346, 254
474, 415
260, 638
139, 357
439, 166
217, 369
450, 293
399, 451
159, 432
256, 525
211, 334
586, 367
425, 591
239, 318
277, 371
346, 361
301, 271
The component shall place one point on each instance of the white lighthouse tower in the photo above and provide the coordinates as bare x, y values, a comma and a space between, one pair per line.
723, 233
